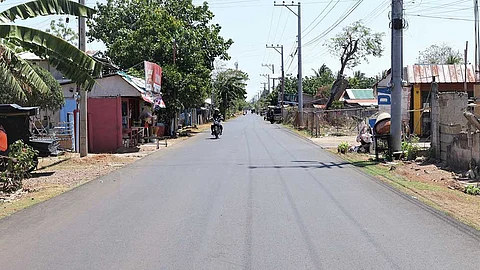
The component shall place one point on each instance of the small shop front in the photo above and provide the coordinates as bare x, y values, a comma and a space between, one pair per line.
139, 124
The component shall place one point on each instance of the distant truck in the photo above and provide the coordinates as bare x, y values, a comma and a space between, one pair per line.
274, 114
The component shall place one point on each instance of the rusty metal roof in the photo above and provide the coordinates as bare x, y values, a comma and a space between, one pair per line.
442, 73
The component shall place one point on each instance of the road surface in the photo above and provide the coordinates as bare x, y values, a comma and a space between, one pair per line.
257, 198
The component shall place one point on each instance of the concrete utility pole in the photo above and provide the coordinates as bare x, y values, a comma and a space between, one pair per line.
466, 58
83, 94
279, 49
299, 51
268, 80
272, 68
477, 40
397, 74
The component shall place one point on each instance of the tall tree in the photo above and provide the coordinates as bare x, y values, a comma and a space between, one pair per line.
18, 75
230, 87
440, 55
61, 29
175, 34
353, 45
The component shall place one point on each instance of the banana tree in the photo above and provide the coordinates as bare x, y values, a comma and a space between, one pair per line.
230, 86
74, 64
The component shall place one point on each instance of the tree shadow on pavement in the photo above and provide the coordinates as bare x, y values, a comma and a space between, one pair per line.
306, 165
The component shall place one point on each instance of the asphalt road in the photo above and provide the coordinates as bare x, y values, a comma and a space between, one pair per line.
257, 198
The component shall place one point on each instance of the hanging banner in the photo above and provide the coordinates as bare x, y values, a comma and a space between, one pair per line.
153, 77
158, 103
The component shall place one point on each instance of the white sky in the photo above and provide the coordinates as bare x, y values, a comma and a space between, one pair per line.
254, 23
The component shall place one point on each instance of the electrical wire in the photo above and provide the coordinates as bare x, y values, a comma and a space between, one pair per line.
338, 1
334, 25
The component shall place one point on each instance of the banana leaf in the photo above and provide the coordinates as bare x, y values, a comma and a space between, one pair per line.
18, 75
46, 45
43, 8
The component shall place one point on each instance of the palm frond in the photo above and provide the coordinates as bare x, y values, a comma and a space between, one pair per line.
10, 82
18, 74
52, 47
45, 7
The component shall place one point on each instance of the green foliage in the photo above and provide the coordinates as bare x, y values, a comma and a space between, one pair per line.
52, 99
21, 160
134, 31
66, 58
337, 105
472, 190
440, 54
323, 78
359, 81
17, 76
354, 45
343, 147
61, 29
230, 86
410, 147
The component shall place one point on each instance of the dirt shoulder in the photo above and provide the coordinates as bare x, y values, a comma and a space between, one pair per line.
56, 175
430, 183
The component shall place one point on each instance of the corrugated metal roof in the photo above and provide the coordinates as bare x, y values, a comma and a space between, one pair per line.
442, 73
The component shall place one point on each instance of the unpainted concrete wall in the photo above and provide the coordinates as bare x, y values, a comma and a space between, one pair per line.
457, 145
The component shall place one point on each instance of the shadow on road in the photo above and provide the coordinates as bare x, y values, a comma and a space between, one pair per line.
313, 165
40, 174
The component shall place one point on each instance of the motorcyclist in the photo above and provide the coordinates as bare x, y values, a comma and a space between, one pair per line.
219, 117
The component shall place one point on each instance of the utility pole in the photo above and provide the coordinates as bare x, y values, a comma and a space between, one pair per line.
466, 57
477, 40
279, 49
397, 74
268, 80
299, 51
83, 94
272, 68
264, 87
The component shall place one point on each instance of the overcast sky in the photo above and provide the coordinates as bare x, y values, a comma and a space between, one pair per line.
254, 23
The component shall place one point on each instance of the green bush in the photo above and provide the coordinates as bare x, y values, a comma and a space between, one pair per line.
343, 148
410, 147
21, 159
472, 190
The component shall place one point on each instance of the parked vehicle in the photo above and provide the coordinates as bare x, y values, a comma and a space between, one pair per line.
274, 114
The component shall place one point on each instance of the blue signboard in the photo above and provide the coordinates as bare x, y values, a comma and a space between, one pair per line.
384, 96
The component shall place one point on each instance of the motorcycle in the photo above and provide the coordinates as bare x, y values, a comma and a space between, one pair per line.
216, 128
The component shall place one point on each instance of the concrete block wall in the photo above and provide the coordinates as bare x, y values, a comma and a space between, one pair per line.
453, 138
464, 150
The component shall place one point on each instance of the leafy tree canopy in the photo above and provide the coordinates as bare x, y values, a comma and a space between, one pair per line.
175, 34
440, 55
360, 81
352, 46
61, 29
355, 44
52, 99
230, 88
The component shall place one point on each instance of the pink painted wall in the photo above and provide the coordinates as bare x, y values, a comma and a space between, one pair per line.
104, 124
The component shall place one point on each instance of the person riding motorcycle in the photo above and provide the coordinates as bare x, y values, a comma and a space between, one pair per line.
217, 116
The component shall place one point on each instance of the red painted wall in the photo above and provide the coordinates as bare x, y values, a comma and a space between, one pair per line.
104, 124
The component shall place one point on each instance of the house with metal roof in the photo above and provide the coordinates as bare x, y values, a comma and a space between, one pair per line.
418, 81
115, 107
359, 97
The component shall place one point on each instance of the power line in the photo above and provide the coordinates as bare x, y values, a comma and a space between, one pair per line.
320, 14
441, 18
335, 24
